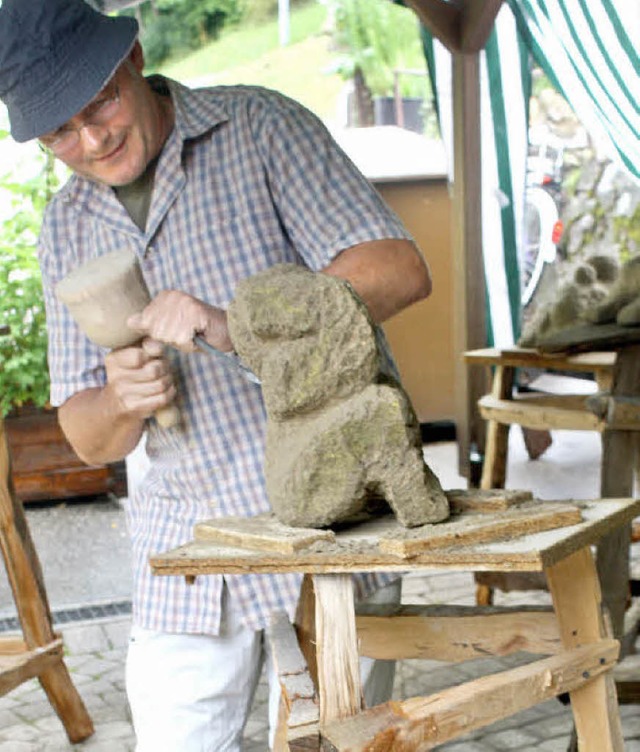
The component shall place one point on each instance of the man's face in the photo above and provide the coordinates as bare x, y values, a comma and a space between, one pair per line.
118, 133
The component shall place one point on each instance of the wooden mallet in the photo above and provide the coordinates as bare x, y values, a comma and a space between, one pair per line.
101, 295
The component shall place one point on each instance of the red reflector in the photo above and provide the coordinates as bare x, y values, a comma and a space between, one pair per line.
556, 233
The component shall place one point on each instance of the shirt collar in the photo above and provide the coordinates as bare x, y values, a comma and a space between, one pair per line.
196, 111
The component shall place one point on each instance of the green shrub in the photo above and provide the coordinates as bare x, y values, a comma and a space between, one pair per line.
24, 375
169, 27
377, 37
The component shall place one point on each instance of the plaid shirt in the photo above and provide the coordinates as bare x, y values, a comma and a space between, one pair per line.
247, 179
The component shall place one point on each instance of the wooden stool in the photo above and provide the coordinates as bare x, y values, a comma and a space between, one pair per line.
543, 412
328, 714
40, 652
501, 408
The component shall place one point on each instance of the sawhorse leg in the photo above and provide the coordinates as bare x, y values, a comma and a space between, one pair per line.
577, 601
494, 468
619, 461
27, 584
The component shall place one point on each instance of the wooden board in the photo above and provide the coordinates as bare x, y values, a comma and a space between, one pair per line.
357, 550
421, 723
590, 337
470, 528
262, 533
477, 517
266, 533
520, 357
489, 500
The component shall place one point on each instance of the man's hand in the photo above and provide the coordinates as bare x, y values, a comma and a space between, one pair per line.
174, 318
139, 379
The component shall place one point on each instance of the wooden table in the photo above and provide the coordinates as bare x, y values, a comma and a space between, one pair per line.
574, 635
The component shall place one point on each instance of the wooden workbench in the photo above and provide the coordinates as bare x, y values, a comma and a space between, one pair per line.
580, 648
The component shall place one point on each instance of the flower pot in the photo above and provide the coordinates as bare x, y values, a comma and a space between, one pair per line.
407, 113
45, 467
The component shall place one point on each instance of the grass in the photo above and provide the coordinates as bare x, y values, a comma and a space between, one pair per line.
250, 54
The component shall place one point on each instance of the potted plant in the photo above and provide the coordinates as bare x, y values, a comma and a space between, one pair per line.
377, 40
44, 464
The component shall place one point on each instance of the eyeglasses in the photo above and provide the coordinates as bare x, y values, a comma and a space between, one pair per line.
98, 112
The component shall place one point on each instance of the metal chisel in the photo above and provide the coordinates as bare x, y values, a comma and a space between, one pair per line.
229, 358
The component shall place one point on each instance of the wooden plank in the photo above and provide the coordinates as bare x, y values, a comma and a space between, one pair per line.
486, 500
356, 550
494, 468
617, 477
619, 413
262, 533
9, 645
421, 723
469, 529
472, 525
339, 684
298, 690
539, 412
16, 668
456, 634
520, 357
298, 726
577, 601
266, 533
584, 337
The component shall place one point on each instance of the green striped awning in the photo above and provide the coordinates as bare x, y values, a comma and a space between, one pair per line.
585, 49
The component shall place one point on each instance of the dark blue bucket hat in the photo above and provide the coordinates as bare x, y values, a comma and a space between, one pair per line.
55, 56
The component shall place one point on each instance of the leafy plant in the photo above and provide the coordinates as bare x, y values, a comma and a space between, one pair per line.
24, 375
375, 38
172, 26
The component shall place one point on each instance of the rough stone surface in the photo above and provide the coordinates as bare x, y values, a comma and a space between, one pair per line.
340, 433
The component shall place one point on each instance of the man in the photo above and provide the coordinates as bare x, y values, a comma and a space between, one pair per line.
207, 187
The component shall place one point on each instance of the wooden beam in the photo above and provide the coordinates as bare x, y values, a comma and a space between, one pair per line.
577, 601
441, 18
412, 724
468, 287
478, 17
541, 411
470, 529
619, 462
16, 668
456, 634
299, 713
496, 449
339, 683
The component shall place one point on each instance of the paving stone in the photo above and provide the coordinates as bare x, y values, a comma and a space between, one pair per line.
557, 744
513, 739
16, 746
86, 639
469, 745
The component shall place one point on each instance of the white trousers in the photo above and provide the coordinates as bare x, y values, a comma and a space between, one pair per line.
193, 693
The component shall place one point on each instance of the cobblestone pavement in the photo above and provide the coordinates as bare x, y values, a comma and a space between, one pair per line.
96, 649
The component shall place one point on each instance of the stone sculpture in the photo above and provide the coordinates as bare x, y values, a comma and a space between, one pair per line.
341, 434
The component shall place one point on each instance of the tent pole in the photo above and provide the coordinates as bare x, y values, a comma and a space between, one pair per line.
469, 289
